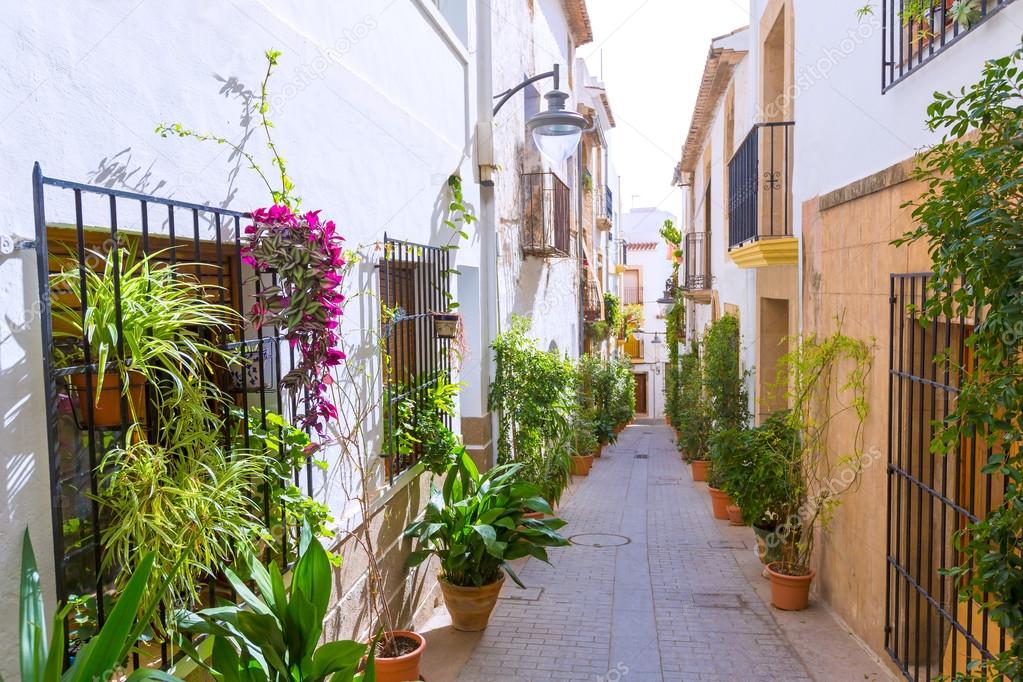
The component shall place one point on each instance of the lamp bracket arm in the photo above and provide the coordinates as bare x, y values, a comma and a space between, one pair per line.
555, 73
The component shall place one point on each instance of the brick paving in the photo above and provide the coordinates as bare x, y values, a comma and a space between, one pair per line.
671, 603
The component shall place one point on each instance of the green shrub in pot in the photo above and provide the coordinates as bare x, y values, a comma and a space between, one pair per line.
475, 526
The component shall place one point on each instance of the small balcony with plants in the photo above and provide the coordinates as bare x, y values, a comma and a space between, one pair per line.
760, 198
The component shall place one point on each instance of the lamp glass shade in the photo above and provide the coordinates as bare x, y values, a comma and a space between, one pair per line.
557, 142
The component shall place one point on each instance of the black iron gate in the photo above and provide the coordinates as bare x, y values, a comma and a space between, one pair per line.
928, 631
77, 223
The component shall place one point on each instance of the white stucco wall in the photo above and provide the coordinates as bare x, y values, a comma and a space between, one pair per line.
373, 110
545, 290
838, 78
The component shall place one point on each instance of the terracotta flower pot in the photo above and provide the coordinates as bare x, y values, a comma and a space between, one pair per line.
599, 452
719, 500
470, 607
699, 468
735, 515
789, 592
581, 465
533, 515
106, 408
445, 325
402, 668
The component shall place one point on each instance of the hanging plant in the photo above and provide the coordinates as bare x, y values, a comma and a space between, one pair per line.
306, 255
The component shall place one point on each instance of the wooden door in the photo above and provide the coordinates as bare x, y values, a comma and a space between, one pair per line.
641, 407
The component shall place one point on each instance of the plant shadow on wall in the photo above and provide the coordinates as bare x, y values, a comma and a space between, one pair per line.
970, 216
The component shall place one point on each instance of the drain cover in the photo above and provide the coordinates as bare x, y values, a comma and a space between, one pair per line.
642, 456
599, 540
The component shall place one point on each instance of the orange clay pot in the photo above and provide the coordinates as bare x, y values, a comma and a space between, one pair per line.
789, 592
719, 500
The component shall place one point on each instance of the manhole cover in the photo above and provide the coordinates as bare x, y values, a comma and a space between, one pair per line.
717, 601
726, 544
599, 540
642, 456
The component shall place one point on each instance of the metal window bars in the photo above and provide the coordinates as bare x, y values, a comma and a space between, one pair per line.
760, 185
546, 216
910, 41
414, 289
73, 221
931, 496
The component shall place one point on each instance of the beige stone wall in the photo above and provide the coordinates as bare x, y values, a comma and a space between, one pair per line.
848, 259
412, 595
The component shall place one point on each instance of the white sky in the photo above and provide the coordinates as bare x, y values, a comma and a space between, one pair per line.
653, 56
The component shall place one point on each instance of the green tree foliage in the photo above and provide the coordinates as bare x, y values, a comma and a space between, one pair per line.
971, 217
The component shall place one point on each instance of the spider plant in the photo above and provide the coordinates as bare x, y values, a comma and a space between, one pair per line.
159, 312
191, 502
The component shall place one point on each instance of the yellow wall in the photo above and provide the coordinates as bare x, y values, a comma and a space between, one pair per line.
847, 262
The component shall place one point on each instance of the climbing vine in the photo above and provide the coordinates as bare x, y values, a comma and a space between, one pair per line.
971, 217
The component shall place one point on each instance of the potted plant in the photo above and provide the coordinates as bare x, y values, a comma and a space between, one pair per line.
583, 446
157, 312
817, 396
693, 415
475, 526
447, 325
719, 499
275, 633
108, 649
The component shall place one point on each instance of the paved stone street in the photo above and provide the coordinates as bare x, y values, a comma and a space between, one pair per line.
654, 589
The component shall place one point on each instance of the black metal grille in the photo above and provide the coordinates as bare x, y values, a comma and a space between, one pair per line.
760, 185
204, 240
414, 288
908, 43
546, 216
697, 263
592, 303
930, 496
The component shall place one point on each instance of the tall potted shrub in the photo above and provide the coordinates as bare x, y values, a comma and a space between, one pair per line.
725, 383
694, 417
475, 525
827, 380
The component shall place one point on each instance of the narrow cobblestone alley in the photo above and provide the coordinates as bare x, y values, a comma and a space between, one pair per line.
654, 589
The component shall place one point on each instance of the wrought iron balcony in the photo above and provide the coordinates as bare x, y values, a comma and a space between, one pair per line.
760, 185
605, 208
546, 216
592, 301
909, 42
697, 275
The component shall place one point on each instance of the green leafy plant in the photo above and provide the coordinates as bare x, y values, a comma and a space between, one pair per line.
102, 657
476, 524
612, 312
970, 216
286, 448
192, 503
532, 392
274, 634
724, 378
584, 439
632, 319
166, 321
694, 411
419, 427
755, 467
826, 379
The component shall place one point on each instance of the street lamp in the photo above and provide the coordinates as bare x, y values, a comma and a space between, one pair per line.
557, 130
